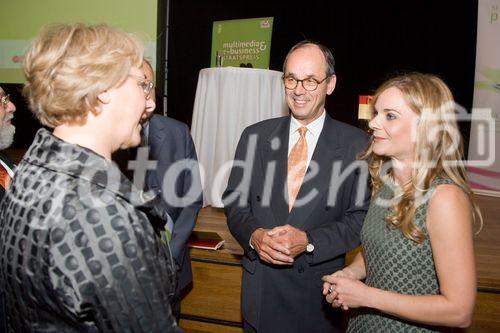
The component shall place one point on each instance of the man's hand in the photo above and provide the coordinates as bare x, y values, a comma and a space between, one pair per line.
293, 239
269, 248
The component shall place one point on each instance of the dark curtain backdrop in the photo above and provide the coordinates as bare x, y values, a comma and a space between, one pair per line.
371, 41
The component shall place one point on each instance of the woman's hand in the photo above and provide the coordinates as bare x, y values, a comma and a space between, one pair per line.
342, 291
327, 286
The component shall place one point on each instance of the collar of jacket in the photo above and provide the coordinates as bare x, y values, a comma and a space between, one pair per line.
51, 153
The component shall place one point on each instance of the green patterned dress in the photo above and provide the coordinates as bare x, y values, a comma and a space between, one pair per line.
395, 263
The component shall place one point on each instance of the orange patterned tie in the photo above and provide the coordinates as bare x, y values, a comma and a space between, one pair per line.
5, 179
297, 161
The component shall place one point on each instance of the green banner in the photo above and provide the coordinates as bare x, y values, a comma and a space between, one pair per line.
21, 20
242, 43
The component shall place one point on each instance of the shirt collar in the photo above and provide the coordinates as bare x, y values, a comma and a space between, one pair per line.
313, 128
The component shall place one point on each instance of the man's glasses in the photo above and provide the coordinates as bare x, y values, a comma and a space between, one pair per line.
309, 84
5, 100
145, 84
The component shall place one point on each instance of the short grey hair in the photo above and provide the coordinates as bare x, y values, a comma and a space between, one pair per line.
330, 61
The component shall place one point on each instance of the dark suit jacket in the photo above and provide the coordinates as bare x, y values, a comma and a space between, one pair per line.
289, 298
170, 142
10, 164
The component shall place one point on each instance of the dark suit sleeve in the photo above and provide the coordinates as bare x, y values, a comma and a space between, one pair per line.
240, 219
338, 237
186, 220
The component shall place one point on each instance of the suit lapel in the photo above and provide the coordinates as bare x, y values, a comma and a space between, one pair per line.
156, 133
276, 151
156, 136
325, 153
7, 161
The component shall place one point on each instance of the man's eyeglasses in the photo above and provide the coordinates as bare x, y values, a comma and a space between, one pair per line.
309, 84
145, 84
5, 100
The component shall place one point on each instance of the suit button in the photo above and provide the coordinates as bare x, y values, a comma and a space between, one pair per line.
301, 269
327, 208
258, 198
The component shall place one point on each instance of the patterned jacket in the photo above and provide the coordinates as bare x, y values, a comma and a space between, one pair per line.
77, 252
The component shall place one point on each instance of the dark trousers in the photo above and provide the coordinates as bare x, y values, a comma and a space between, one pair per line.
176, 306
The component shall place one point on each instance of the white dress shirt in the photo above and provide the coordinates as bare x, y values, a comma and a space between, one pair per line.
312, 135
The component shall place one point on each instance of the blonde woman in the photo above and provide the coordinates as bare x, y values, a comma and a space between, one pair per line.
76, 253
417, 258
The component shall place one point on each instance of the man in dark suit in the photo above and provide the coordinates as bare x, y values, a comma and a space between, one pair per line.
7, 130
295, 225
177, 178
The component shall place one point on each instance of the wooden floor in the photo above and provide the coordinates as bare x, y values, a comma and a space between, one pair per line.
487, 245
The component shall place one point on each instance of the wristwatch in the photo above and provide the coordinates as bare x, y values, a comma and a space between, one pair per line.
310, 245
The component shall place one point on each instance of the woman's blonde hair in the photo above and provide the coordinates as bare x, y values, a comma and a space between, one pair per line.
68, 66
438, 149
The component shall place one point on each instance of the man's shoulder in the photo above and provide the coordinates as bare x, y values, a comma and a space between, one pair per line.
6, 160
168, 129
348, 132
158, 122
